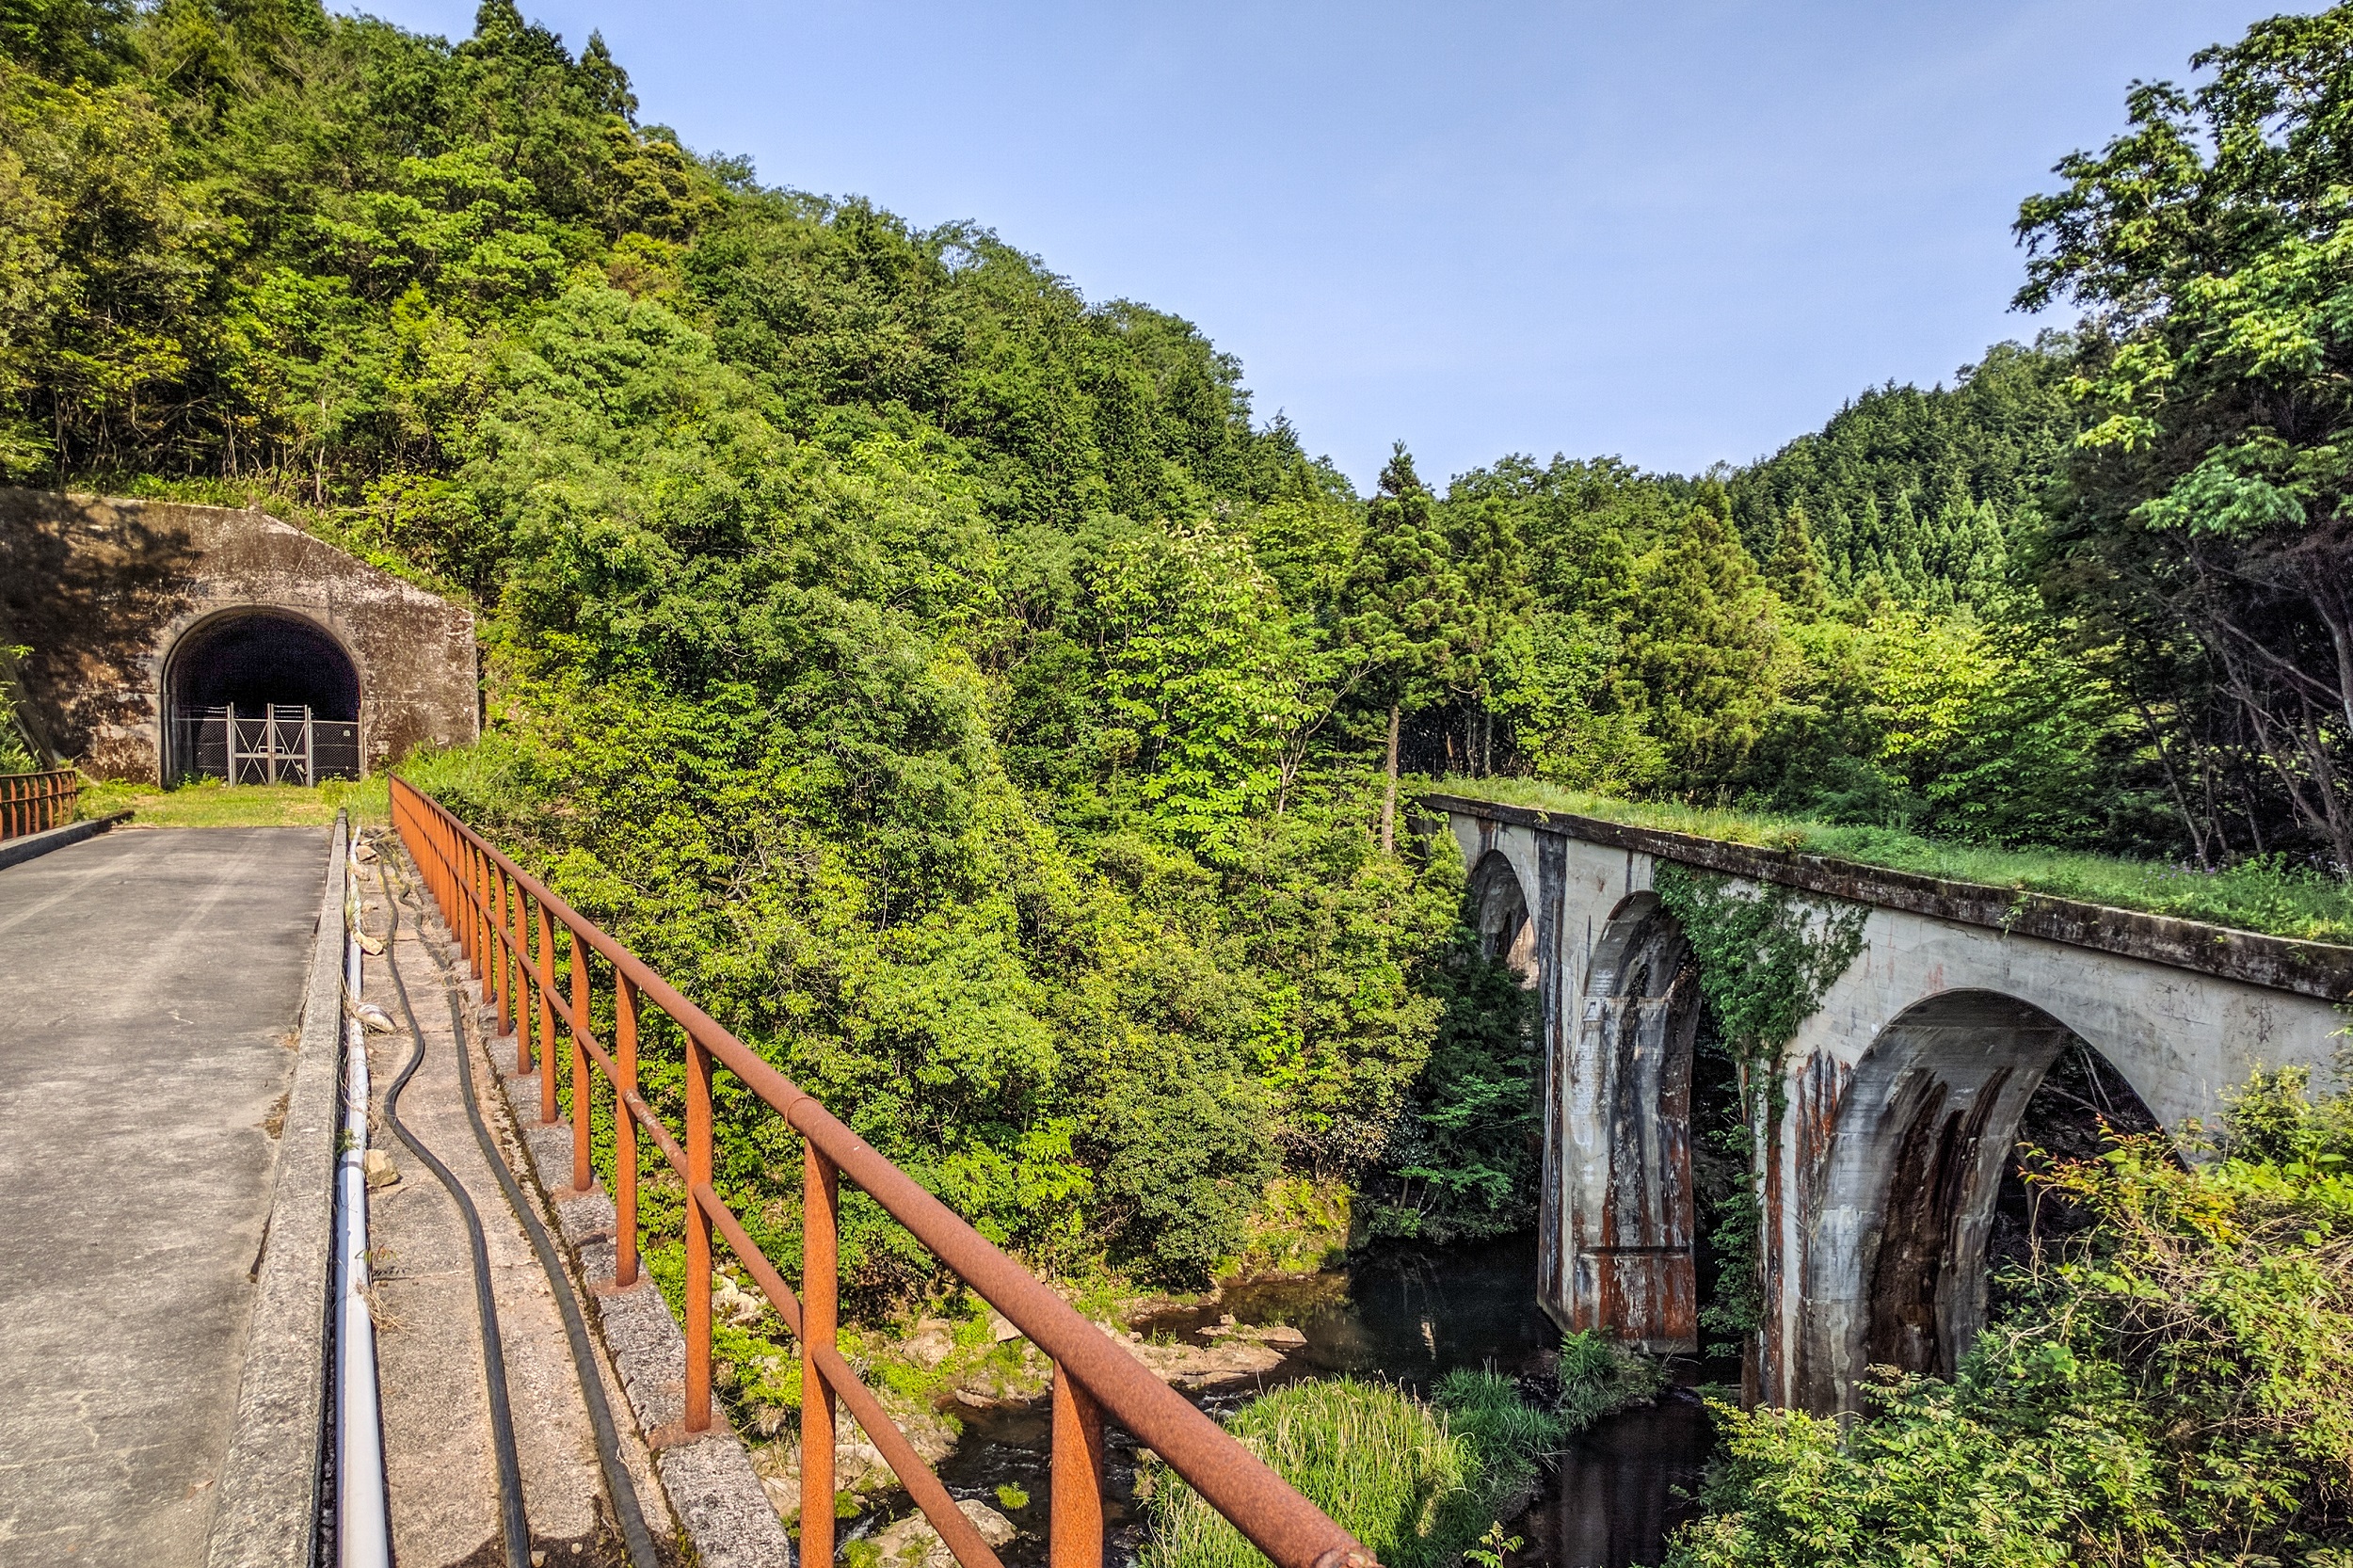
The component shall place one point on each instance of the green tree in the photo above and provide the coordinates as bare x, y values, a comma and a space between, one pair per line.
1407, 607
1794, 570
2211, 246
1703, 652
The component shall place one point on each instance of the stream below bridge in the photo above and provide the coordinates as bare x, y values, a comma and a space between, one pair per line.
1407, 1318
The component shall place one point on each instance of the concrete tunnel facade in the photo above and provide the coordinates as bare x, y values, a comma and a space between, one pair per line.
138, 612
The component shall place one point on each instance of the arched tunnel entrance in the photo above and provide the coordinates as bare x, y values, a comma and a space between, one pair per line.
1922, 1187
259, 696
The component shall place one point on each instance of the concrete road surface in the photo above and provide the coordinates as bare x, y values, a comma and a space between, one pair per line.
149, 987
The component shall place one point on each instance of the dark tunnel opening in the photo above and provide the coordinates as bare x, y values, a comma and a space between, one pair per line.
262, 698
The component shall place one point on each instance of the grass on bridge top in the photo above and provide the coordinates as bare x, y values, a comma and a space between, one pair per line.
210, 803
2267, 894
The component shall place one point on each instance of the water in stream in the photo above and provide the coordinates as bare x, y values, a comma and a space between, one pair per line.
1409, 1319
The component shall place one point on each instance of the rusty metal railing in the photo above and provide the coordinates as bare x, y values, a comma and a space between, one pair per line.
506, 922
35, 802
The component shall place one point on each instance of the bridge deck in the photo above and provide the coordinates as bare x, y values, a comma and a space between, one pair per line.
149, 985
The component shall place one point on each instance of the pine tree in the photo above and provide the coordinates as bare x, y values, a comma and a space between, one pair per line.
1903, 552
1407, 605
1489, 558
1701, 647
1796, 569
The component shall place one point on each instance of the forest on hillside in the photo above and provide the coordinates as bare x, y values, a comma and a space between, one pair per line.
958, 688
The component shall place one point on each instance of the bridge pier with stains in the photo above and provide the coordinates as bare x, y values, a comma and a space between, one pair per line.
1898, 1101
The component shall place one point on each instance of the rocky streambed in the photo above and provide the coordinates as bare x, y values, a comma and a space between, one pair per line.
971, 1396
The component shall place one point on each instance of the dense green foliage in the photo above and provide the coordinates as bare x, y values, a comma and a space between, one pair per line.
946, 678
2202, 536
938, 674
2173, 1386
1417, 1482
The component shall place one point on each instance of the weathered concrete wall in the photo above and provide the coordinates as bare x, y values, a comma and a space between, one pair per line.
103, 590
1903, 1091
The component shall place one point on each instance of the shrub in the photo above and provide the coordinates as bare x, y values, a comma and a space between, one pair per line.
1417, 1482
2177, 1388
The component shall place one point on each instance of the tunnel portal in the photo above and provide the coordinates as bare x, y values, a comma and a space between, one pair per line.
260, 696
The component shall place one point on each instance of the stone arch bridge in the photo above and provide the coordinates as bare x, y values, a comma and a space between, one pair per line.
1901, 1093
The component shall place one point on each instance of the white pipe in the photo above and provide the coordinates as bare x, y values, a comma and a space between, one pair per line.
362, 1532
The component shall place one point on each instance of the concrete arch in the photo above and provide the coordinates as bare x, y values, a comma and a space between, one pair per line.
1504, 916
1902, 1203
252, 654
1622, 1188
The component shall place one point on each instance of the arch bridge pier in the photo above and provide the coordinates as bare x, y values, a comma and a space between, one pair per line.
1897, 1105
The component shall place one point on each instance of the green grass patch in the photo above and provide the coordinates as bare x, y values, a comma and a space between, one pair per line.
210, 803
2263, 894
1417, 1482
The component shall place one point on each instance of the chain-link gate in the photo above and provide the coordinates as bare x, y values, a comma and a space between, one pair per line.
283, 744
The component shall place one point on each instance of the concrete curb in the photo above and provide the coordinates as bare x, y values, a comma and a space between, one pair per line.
15, 852
713, 1490
268, 1513
710, 1482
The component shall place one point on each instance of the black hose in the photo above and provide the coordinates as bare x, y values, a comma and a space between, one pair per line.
619, 1488
515, 1526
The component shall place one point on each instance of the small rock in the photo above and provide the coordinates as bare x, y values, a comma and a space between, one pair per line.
855, 1462
1284, 1337
732, 1303
913, 1543
931, 1346
1001, 1329
376, 1165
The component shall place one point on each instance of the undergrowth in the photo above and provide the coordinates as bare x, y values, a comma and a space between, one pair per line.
2174, 1388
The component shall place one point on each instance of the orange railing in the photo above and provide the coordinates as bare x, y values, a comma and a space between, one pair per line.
35, 802
505, 924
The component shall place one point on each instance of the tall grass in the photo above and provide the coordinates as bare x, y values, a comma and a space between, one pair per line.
2264, 894
1377, 1460
1417, 1482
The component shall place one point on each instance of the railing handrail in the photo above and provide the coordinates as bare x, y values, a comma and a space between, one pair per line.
34, 802
1285, 1525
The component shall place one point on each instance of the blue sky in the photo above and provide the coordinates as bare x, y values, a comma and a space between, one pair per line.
1675, 231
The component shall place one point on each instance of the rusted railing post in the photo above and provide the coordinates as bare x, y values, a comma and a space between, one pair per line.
821, 1197
477, 898
1075, 1507
503, 950
697, 1237
583, 1087
519, 959
625, 1131
547, 1016
474, 909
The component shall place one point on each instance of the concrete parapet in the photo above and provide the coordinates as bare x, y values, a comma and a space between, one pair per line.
19, 850
268, 1514
709, 1478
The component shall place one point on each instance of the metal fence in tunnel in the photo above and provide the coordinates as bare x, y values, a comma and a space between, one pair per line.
282, 744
